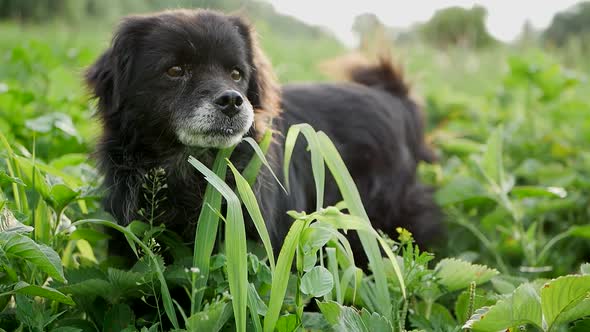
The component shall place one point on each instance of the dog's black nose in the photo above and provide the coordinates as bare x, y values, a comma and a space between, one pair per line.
229, 102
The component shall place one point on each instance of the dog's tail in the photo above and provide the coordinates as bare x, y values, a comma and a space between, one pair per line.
383, 75
386, 76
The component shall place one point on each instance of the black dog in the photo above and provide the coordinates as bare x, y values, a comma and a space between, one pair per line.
188, 82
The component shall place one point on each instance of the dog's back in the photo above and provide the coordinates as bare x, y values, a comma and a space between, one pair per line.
378, 130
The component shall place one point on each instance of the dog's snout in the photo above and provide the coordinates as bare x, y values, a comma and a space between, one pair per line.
229, 102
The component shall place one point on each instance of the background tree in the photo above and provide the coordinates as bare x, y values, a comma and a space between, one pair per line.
571, 24
455, 26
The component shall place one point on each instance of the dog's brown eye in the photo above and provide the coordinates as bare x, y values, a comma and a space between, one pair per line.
175, 71
236, 75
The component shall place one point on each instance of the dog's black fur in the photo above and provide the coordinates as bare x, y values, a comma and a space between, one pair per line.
373, 122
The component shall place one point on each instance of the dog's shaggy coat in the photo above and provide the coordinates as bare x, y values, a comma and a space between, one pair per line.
158, 86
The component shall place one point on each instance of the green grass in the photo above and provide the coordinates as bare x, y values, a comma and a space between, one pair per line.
511, 126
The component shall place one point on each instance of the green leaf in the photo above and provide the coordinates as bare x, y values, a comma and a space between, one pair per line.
580, 231
455, 274
462, 304
249, 200
9, 223
61, 195
460, 189
369, 242
17, 246
42, 291
281, 276
562, 294
287, 323
206, 233
165, 293
257, 307
212, 318
521, 307
317, 282
491, 163
348, 319
5, 179
235, 245
118, 318
532, 192
317, 158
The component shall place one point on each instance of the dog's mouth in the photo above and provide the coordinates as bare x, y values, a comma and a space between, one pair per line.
213, 131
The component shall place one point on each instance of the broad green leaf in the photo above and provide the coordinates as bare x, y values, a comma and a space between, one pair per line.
118, 318
562, 294
348, 319
165, 293
462, 303
42, 291
375, 322
521, 307
287, 323
455, 274
317, 282
314, 238
86, 250
61, 195
210, 319
17, 246
5, 179
460, 189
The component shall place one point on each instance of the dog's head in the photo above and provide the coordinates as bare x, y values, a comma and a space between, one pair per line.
198, 76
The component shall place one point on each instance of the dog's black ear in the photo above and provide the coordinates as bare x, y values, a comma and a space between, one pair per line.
263, 90
109, 77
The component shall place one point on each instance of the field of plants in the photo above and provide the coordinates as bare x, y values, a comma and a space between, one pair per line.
511, 126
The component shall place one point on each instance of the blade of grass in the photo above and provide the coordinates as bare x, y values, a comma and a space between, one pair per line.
354, 203
317, 159
235, 245
253, 306
249, 200
20, 197
166, 298
206, 234
281, 276
260, 155
253, 167
333, 267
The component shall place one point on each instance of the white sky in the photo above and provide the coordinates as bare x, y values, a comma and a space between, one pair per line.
504, 21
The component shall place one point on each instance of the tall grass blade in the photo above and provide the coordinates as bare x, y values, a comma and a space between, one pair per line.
281, 276
249, 200
206, 233
235, 245
353, 201
20, 196
263, 160
253, 167
317, 159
